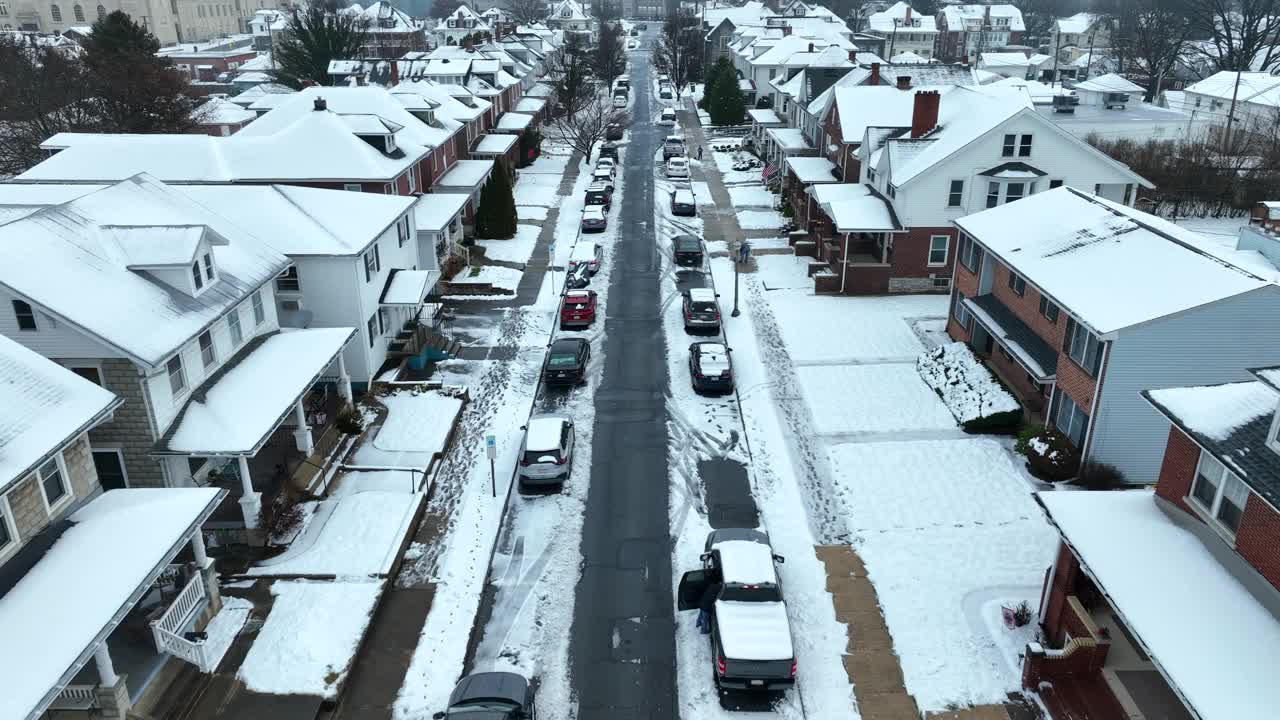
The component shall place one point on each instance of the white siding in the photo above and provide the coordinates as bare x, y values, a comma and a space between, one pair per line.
51, 338
330, 291
1209, 345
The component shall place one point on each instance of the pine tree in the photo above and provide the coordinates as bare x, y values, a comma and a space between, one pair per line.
725, 102
317, 34
135, 90
496, 217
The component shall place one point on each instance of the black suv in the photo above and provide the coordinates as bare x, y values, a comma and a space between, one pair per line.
492, 696
566, 362
687, 250
613, 132
710, 369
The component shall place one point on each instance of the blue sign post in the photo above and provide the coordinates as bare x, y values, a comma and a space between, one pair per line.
491, 449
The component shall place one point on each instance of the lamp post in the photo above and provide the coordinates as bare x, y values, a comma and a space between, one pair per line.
744, 254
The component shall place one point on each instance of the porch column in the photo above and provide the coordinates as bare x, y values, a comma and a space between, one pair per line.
208, 574
112, 693
197, 548
302, 436
885, 239
251, 501
344, 380
106, 670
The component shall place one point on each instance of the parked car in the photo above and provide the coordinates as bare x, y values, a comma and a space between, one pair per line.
608, 164
619, 101
609, 150
665, 93
546, 455
678, 167
613, 131
594, 219
664, 79
672, 146
491, 695
577, 277
603, 177
578, 308
700, 310
710, 369
566, 362
589, 254
683, 203
750, 636
633, 44
687, 250
643, 26
623, 81
668, 116
599, 194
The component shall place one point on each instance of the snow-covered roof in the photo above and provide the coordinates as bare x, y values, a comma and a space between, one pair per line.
789, 138
1216, 411
854, 207
116, 545
408, 287
466, 174
702, 295
1036, 90
543, 433
956, 15
1081, 250
1077, 24
361, 109
43, 406
235, 411
1110, 82
866, 106
909, 21
809, 170
908, 58
1254, 87
765, 116
1004, 59
754, 630
218, 111
435, 211
749, 12
254, 77
495, 144
530, 105
514, 121
67, 258
1223, 664
257, 92
744, 562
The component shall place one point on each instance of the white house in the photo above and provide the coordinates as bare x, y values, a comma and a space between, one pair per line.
459, 24
172, 307
964, 30
904, 30
572, 18
1014, 64
1257, 99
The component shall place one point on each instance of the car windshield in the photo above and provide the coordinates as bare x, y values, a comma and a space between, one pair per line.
751, 593
482, 706
703, 306
563, 360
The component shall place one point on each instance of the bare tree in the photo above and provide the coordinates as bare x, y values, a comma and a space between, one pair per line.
1151, 35
42, 92
1241, 34
588, 125
611, 59
680, 47
571, 74
525, 12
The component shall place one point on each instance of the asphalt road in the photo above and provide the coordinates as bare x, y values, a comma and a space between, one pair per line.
623, 647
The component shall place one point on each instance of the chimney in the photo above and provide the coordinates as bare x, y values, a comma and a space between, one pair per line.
853, 56
906, 19
904, 82
810, 47
875, 74
986, 15
321, 105
786, 30
924, 116
395, 73
359, 80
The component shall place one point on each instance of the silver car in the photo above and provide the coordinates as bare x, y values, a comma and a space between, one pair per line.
546, 455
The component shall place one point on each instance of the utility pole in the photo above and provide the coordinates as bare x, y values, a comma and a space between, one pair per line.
1057, 53
1089, 62
893, 41
1231, 114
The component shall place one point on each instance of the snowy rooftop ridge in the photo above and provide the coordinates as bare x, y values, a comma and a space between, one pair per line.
1216, 411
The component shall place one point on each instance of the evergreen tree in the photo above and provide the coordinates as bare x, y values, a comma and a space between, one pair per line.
135, 91
726, 104
496, 217
315, 35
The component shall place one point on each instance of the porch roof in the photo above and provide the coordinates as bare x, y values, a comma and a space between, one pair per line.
467, 174
513, 121
494, 144
408, 287
765, 116
79, 588
1032, 352
235, 411
436, 210
811, 170
1211, 638
789, 139
854, 207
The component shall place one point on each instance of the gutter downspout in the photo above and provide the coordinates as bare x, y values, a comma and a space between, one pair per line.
1093, 405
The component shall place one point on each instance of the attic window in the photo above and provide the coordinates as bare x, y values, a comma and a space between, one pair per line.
197, 276
391, 144
208, 266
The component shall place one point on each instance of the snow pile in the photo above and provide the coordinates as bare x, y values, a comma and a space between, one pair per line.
352, 535
223, 628
417, 421
757, 196
968, 388
309, 638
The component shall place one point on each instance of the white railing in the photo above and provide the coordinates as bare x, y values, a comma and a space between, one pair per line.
76, 697
190, 601
180, 647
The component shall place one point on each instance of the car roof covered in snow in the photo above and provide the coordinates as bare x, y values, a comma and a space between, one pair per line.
577, 295
597, 187
586, 250
591, 211
544, 432
702, 295
684, 195
687, 240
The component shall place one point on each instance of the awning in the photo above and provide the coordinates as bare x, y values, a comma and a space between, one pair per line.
235, 411
1215, 643
765, 116
80, 586
434, 211
854, 208
1032, 353
494, 144
513, 121
1014, 170
408, 287
811, 170
789, 139
466, 175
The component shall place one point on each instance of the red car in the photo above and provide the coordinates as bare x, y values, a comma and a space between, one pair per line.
578, 308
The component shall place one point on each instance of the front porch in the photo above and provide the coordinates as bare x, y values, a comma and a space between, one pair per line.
466, 177
1021, 359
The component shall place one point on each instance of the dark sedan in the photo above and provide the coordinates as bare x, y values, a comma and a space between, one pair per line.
490, 696
710, 369
566, 362
687, 250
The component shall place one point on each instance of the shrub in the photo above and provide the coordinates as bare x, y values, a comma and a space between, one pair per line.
1022, 446
280, 517
349, 421
1051, 456
1100, 476
995, 423
968, 389
1021, 614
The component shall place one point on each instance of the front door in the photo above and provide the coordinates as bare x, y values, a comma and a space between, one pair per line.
110, 467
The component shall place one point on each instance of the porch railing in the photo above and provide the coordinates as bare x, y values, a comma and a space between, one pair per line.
180, 647
167, 629
76, 697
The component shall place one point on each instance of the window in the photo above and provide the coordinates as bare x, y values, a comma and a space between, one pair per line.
370, 265
1097, 188
402, 230
287, 281
1219, 492
1055, 184
372, 328
960, 312
197, 276
413, 179
90, 373
970, 254
208, 266
1014, 192
207, 355
25, 316
1070, 419
1017, 283
259, 312
233, 324
55, 12
1128, 194
8, 534
955, 196
1010, 141
1048, 309
871, 174
1084, 348
388, 189
351, 187
993, 194
938, 245
53, 482
78, 12
177, 378
1024, 147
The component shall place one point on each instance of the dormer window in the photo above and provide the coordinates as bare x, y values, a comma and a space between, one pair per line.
197, 276
207, 261
391, 144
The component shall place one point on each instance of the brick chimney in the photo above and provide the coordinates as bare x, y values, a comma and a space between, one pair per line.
906, 18
853, 56
395, 73
360, 80
986, 15
904, 82
924, 116
321, 105
810, 47
875, 74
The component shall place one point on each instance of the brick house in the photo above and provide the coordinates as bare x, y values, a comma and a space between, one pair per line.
939, 154
1133, 566
220, 118
966, 31
205, 65
58, 527
1049, 290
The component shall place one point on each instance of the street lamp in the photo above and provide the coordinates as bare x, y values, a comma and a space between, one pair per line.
744, 254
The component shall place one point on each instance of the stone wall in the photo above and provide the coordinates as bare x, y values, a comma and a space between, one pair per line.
130, 427
26, 499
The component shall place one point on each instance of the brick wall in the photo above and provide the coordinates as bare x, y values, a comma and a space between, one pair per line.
130, 427
1075, 382
1027, 307
866, 279
1061, 584
79, 461
1016, 375
1258, 540
965, 282
1178, 469
910, 259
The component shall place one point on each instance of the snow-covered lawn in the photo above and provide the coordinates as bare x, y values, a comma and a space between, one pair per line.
782, 272
351, 535
531, 213
829, 329
761, 220
537, 189
499, 277
725, 162
308, 640
871, 398
417, 421
517, 249
756, 196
